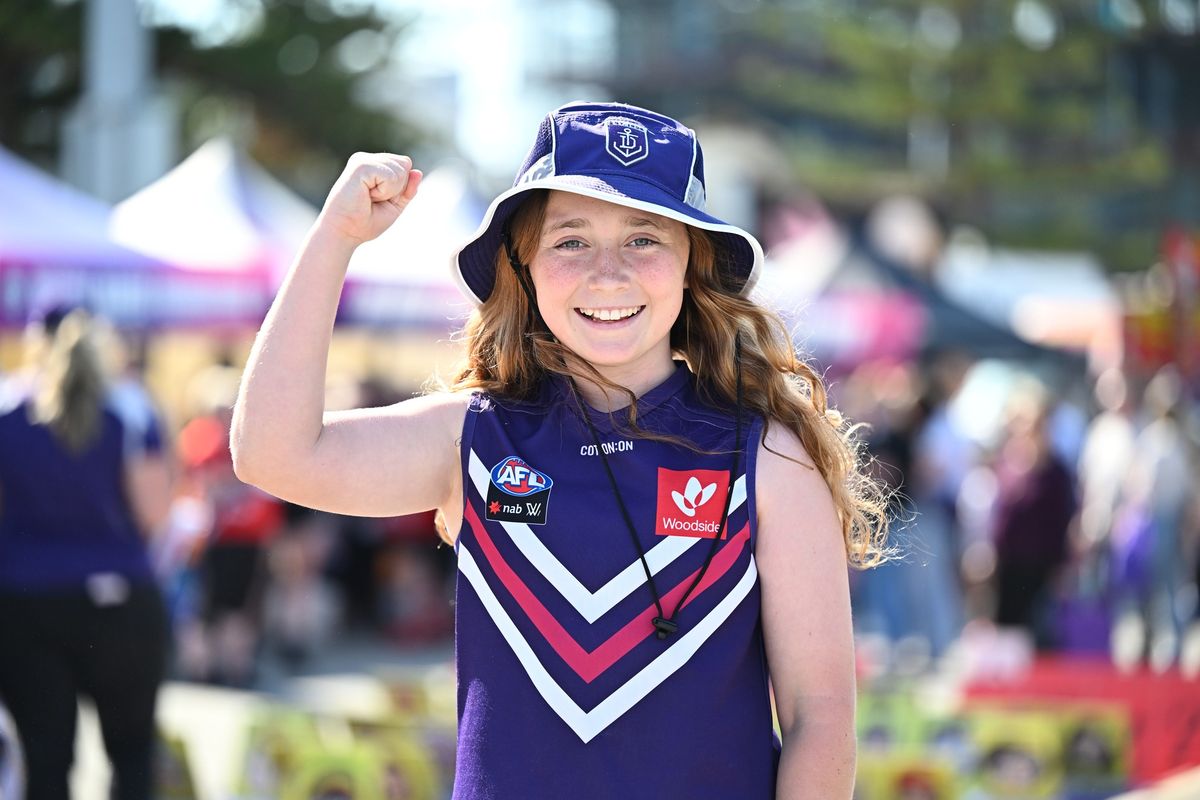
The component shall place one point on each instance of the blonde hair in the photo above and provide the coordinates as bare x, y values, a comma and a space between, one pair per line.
70, 391
504, 356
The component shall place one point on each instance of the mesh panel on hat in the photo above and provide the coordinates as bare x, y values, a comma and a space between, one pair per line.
541, 146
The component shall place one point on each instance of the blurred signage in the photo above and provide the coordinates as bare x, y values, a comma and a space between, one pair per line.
1162, 316
848, 327
133, 297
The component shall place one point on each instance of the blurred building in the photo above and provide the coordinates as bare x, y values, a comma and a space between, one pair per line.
122, 132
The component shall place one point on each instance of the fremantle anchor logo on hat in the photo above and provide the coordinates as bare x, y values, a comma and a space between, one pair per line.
626, 141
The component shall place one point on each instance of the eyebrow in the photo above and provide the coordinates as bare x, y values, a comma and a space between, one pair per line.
579, 222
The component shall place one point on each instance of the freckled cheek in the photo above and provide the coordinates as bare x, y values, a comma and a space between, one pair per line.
556, 277
663, 276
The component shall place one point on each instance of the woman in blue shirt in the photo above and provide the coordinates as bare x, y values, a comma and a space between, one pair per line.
82, 482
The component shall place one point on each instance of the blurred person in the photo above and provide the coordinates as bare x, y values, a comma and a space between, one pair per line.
1103, 466
917, 595
1104, 461
300, 609
1034, 506
224, 648
82, 484
1159, 490
413, 579
1086, 613
723, 500
943, 453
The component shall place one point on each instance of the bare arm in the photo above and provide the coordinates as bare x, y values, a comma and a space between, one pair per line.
806, 622
369, 462
148, 483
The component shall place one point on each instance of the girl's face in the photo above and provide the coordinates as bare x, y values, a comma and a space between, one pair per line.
609, 283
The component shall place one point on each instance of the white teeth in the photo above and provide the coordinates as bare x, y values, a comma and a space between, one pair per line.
610, 314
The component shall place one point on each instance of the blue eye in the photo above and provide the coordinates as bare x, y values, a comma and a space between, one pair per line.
569, 244
643, 241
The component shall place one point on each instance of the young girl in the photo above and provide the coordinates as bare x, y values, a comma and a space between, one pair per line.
651, 503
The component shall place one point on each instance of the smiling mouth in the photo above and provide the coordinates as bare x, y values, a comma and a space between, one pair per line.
609, 314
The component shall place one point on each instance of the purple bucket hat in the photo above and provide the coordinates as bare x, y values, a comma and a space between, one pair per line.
619, 153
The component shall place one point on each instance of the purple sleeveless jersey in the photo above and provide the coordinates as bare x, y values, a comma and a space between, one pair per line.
564, 691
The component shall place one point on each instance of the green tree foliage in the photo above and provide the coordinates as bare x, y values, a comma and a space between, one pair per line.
295, 70
39, 60
1026, 118
1027, 109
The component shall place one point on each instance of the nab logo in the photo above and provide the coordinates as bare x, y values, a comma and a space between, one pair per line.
626, 141
518, 493
690, 502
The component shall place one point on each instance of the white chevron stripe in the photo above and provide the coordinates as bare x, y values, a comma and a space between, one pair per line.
593, 605
587, 724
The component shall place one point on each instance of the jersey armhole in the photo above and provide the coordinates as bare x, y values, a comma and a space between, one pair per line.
751, 443
480, 403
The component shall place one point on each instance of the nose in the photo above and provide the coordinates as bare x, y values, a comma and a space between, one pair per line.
609, 269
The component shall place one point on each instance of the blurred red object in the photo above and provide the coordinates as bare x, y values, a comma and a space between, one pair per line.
203, 442
1164, 708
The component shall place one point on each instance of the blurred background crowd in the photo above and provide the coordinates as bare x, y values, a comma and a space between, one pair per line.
982, 220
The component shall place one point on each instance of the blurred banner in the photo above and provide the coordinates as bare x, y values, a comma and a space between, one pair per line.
1162, 320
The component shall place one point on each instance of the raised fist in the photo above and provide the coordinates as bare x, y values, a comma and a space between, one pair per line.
370, 194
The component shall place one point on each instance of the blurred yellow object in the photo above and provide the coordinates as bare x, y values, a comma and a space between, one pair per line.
905, 777
1020, 754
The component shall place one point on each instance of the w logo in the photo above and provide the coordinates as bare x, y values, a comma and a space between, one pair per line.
693, 496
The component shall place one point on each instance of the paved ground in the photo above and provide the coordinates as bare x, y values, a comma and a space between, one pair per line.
212, 721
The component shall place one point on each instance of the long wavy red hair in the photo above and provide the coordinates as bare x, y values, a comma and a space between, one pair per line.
506, 356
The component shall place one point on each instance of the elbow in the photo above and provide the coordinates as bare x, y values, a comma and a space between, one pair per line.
268, 457
257, 463
244, 462
244, 453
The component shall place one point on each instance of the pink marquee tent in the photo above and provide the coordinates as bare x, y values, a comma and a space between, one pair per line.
55, 248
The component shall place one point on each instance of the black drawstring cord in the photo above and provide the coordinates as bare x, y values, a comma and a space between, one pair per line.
663, 625
737, 452
659, 621
522, 278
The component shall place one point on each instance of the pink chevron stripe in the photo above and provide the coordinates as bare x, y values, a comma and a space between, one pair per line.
589, 665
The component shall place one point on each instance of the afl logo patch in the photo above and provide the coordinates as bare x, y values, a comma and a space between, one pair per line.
518, 493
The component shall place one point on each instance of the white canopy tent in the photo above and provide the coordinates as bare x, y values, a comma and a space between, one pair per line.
403, 277
1061, 299
219, 211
